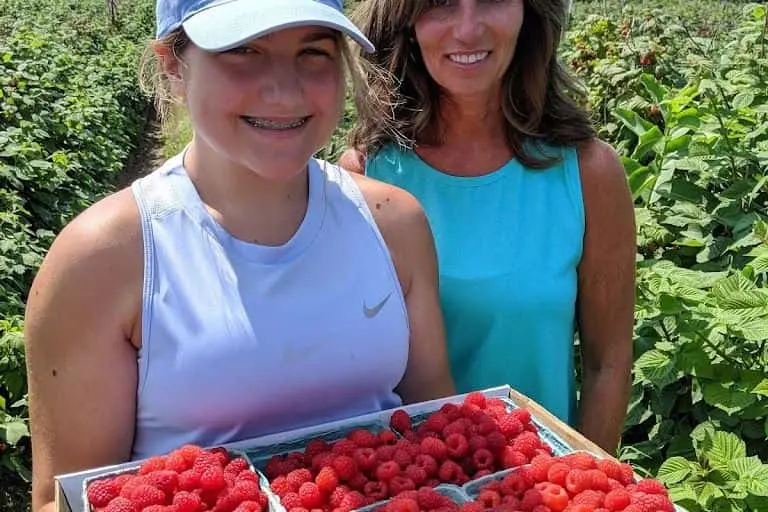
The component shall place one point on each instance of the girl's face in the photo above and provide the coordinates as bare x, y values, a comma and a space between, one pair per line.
467, 45
268, 105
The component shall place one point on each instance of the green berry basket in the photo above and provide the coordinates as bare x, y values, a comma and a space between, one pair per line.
455, 493
132, 467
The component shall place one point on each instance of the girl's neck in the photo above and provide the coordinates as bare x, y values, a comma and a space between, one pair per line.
250, 207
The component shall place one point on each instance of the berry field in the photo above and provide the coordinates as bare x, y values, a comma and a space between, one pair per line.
679, 87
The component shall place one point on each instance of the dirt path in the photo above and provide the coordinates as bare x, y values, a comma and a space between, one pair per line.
147, 154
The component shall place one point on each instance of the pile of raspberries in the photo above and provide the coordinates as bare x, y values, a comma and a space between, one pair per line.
576, 482
189, 479
453, 445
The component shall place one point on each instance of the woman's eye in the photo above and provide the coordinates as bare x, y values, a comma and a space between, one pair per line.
440, 3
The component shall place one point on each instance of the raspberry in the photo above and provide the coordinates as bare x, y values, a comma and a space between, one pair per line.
489, 498
399, 484
189, 480
204, 462
151, 464
120, 480
451, 472
527, 443
154, 508
513, 485
598, 480
365, 458
327, 480
236, 466
476, 398
186, 502
651, 486
627, 474
387, 437
401, 505
512, 458
220, 453
581, 508
576, 481
554, 497
248, 476
177, 463
477, 442
483, 459
484, 428
385, 453
590, 498
435, 448
387, 471
400, 421
249, 506
363, 438
291, 500
357, 482
352, 501
457, 445
297, 477
212, 479
121, 504
540, 465
344, 447
417, 474
321, 460
614, 484
337, 496
165, 480
558, 472
427, 463
345, 467
145, 495
280, 486
377, 491
402, 457
190, 452
472, 506
246, 491
531, 499
616, 500
451, 411
653, 503
580, 460
455, 427
436, 422
496, 442
101, 492
510, 426
310, 495
610, 467
522, 415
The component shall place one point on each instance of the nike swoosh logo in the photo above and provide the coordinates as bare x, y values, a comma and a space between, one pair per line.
372, 312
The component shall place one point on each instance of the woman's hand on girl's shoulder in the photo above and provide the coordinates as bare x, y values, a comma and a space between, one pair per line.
408, 236
353, 160
80, 318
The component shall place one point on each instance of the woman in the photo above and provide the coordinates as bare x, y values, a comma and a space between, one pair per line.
213, 301
531, 213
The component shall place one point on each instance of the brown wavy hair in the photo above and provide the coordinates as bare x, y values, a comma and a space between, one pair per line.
541, 100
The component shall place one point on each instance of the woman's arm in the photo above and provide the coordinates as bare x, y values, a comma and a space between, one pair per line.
406, 231
81, 364
606, 295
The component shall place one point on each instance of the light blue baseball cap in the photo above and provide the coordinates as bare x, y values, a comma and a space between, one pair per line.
219, 25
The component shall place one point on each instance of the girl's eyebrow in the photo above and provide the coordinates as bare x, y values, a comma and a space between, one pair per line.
319, 35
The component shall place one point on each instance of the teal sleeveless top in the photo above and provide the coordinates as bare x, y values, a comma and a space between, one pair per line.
508, 245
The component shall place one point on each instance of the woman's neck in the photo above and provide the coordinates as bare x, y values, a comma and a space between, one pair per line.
250, 207
473, 138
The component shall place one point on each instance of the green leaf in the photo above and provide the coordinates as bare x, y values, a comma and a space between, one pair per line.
633, 121
650, 140
752, 475
722, 396
743, 100
674, 470
656, 367
725, 447
13, 431
761, 388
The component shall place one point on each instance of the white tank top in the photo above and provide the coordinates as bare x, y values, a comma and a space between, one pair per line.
241, 340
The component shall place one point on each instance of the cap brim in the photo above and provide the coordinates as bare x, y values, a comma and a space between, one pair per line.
228, 25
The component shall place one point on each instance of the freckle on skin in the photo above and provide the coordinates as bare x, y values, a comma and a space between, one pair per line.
53, 373
378, 206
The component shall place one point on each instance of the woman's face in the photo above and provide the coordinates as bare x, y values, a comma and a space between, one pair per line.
270, 104
467, 45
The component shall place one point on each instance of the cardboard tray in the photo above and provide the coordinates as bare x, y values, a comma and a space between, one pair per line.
69, 495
